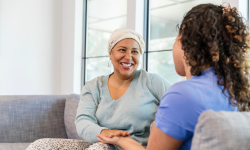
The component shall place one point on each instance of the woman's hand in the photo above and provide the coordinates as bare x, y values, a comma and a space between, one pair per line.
114, 140
126, 143
111, 133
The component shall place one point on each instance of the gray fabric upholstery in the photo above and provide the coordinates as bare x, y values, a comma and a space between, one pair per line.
222, 130
13, 146
28, 118
70, 114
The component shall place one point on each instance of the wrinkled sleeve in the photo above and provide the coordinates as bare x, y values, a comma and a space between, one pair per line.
160, 86
178, 113
86, 123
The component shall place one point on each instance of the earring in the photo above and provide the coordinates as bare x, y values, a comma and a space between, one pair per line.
109, 63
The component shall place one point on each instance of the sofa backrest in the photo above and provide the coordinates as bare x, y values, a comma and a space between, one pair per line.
222, 130
28, 118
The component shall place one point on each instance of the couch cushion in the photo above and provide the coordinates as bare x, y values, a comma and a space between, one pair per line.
222, 130
13, 146
28, 118
71, 106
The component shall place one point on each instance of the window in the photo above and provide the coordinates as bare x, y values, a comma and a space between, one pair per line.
248, 10
103, 17
164, 17
161, 19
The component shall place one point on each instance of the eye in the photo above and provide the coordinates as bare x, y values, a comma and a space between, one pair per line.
135, 51
122, 50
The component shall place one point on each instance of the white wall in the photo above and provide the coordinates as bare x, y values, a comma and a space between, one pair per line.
30, 47
41, 45
72, 19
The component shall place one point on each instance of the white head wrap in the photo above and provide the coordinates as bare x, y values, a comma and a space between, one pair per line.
120, 34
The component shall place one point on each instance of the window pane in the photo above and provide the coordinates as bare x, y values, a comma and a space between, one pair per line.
249, 12
162, 63
97, 67
165, 15
104, 16
97, 43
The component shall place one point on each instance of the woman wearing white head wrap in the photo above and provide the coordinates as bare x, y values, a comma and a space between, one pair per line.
120, 34
123, 103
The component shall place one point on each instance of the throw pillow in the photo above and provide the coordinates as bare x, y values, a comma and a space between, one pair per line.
71, 106
222, 130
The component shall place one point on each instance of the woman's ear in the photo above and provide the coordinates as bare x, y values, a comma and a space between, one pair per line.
180, 36
110, 55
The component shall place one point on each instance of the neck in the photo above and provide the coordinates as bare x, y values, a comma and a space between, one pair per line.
188, 70
205, 67
120, 81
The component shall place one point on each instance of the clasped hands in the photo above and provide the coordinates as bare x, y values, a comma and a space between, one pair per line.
111, 133
112, 136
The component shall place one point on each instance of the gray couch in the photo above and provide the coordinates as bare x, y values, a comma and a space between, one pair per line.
24, 119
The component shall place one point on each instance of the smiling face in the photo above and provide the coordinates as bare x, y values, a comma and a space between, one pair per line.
125, 57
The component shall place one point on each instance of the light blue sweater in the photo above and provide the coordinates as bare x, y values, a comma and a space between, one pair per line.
133, 112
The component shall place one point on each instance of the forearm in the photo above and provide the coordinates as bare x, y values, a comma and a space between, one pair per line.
88, 130
130, 144
86, 123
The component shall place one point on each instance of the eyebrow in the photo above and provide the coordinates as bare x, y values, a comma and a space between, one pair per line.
126, 47
122, 47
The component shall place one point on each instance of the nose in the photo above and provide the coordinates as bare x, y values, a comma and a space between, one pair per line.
128, 55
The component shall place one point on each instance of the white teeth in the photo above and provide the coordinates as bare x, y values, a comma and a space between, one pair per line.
126, 65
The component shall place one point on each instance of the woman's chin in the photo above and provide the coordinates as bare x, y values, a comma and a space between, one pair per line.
180, 73
127, 73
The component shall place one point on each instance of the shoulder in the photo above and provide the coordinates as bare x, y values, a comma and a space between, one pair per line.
197, 88
152, 82
184, 94
152, 77
179, 110
145, 74
182, 87
96, 82
93, 88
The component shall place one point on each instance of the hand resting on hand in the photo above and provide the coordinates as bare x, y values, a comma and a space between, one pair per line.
111, 133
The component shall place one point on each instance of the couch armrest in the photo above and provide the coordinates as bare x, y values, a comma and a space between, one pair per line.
28, 118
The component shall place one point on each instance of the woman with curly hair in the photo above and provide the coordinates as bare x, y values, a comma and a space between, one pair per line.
211, 50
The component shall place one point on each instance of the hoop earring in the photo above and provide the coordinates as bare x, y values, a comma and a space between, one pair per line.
109, 63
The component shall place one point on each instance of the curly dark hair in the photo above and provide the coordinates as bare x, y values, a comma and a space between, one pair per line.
218, 37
